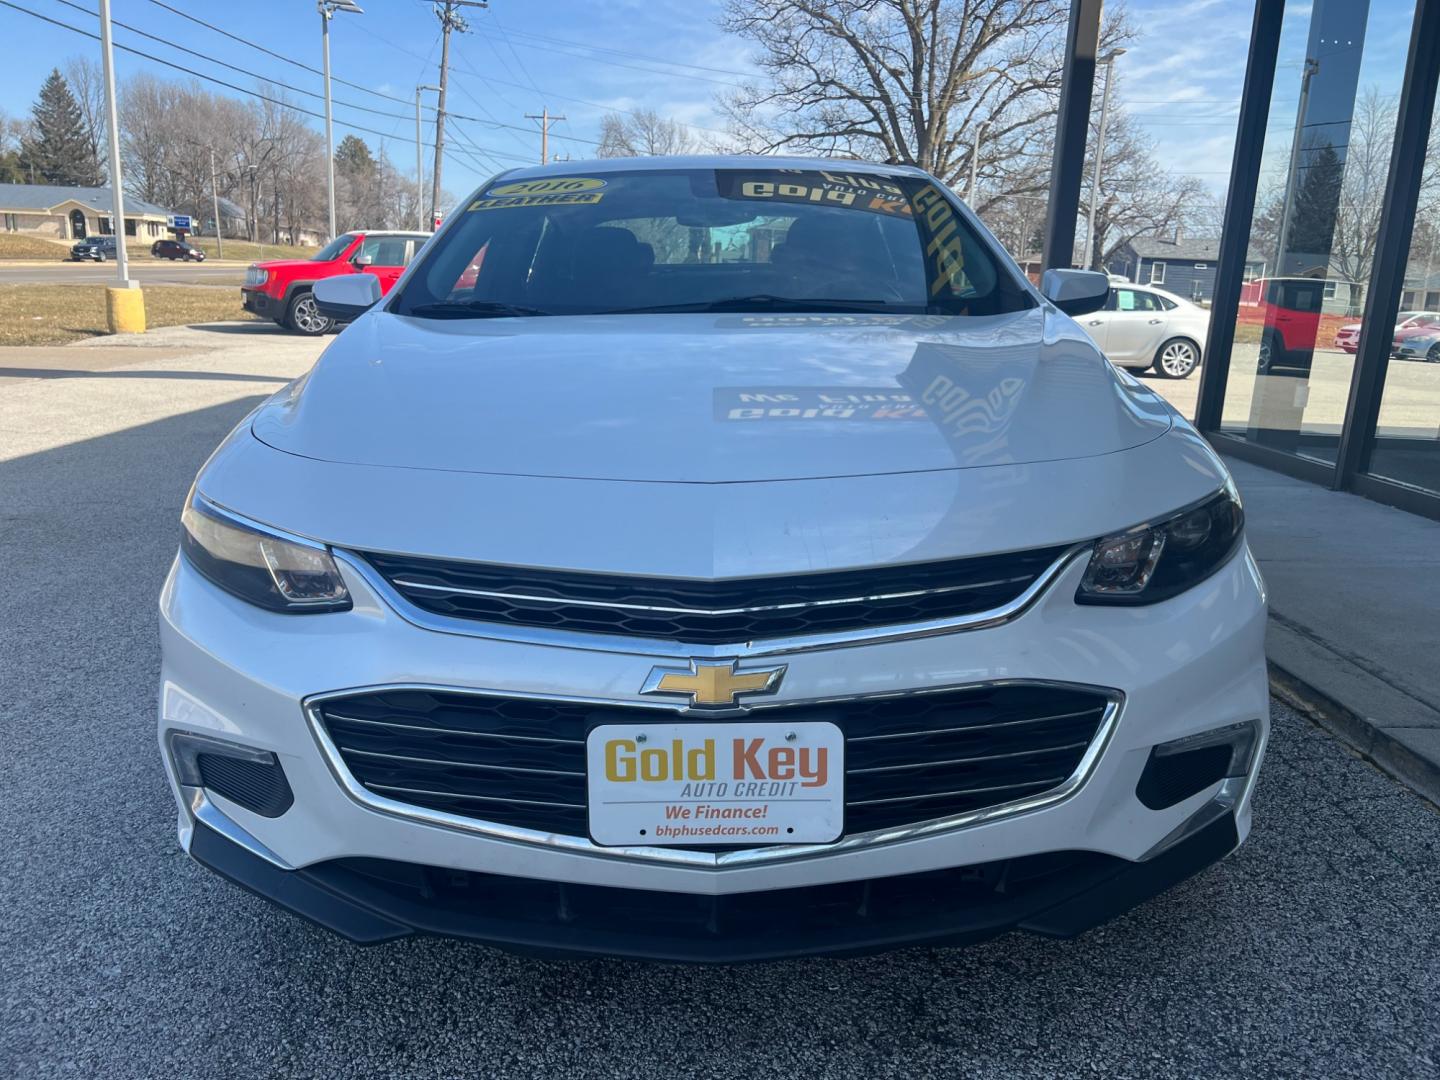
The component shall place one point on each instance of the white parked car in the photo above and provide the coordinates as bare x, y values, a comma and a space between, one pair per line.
712, 559
1142, 327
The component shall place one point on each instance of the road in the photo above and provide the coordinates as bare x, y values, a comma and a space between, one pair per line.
1314, 951
145, 270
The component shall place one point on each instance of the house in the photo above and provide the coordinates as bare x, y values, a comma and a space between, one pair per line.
1181, 265
1421, 292
73, 213
234, 221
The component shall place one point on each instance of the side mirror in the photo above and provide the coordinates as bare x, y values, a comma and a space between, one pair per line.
361, 260
346, 296
1076, 292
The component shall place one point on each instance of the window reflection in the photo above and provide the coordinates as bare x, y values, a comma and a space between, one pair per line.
1323, 173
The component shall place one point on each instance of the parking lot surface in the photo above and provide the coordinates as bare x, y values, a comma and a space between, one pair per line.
1314, 951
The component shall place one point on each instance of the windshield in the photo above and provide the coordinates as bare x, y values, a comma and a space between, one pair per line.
333, 249
711, 240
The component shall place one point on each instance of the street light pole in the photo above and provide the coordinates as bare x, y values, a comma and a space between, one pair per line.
327, 9
117, 198
975, 162
1109, 61
1312, 67
420, 162
215, 197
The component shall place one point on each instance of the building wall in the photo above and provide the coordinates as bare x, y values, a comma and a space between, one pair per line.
49, 225
1191, 280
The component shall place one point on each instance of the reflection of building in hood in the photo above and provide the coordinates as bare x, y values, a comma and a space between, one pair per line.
971, 400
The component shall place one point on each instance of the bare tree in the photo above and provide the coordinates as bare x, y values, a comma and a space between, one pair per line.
87, 83
1137, 196
915, 82
644, 133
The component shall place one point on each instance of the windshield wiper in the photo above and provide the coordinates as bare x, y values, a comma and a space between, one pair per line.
473, 309
767, 302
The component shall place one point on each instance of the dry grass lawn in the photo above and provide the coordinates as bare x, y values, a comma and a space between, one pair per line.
15, 246
248, 252
56, 314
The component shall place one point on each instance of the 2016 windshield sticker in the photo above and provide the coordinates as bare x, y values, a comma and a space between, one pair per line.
548, 185
855, 191
556, 198
544, 191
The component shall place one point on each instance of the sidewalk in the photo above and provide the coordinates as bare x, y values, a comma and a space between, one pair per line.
1354, 635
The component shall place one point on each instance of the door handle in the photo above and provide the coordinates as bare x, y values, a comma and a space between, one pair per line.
1093, 322
1154, 322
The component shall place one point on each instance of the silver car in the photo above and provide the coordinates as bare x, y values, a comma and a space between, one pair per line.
1143, 327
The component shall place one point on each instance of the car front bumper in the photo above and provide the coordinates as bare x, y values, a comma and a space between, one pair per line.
1183, 667
256, 301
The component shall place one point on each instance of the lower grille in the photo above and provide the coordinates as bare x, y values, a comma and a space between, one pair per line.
520, 762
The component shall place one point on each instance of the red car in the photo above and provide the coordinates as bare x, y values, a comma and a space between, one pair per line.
1420, 324
1348, 336
1288, 310
280, 288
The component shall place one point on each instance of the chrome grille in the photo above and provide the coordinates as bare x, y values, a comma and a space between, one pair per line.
715, 612
520, 762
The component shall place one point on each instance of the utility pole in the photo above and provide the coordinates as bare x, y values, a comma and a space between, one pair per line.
215, 201
1312, 68
1109, 61
327, 9
420, 163
117, 199
448, 12
545, 121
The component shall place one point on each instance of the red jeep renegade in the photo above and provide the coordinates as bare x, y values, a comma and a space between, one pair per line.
280, 288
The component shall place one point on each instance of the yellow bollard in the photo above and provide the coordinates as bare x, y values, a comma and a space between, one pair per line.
125, 310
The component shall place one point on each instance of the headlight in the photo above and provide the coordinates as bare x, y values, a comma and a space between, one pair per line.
1155, 562
256, 276
271, 571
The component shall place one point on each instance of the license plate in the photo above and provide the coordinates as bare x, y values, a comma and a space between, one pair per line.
716, 783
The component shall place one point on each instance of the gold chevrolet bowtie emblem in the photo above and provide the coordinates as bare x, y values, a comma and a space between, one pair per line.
712, 683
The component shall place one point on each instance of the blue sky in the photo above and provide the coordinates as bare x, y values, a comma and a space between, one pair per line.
1181, 79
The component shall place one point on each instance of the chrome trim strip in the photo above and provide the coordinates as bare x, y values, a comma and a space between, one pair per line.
455, 731
703, 859
621, 643
479, 798
211, 816
972, 727
457, 764
911, 766
947, 794
493, 594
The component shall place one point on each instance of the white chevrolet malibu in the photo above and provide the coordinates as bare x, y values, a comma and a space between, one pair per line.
712, 559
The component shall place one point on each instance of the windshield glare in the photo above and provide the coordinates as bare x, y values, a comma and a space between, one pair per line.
333, 249
760, 239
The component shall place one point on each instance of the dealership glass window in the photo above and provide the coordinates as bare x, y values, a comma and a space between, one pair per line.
1324, 166
1406, 447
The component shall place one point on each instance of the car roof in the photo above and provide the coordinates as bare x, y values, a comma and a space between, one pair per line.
709, 161
386, 232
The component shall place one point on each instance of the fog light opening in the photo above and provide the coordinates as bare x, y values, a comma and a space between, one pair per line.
1182, 768
247, 776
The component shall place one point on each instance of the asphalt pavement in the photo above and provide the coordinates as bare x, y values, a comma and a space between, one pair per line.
1313, 951
142, 268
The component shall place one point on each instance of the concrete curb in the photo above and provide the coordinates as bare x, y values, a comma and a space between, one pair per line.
1373, 743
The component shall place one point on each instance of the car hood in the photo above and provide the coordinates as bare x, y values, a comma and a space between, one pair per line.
288, 264
1416, 332
710, 398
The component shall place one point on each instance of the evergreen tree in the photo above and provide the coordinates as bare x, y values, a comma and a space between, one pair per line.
59, 150
1317, 201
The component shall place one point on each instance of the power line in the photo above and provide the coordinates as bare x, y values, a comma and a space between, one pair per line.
232, 67
268, 52
194, 74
